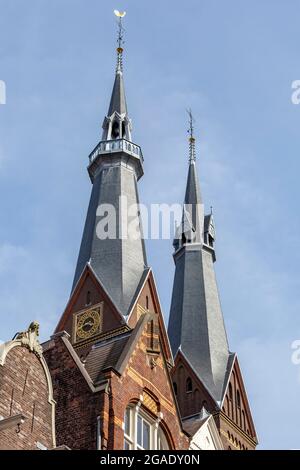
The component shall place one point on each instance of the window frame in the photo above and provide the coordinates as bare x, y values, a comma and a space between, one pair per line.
157, 438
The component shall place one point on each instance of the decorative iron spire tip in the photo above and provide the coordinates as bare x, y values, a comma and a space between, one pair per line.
120, 40
192, 140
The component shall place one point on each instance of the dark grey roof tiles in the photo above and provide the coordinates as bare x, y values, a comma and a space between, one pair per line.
196, 322
118, 98
105, 355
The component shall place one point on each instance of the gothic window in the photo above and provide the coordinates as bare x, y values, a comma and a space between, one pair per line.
88, 298
141, 432
244, 421
238, 402
175, 387
147, 302
227, 407
238, 399
189, 385
115, 132
230, 401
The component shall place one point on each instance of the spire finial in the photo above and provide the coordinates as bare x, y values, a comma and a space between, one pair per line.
192, 152
120, 41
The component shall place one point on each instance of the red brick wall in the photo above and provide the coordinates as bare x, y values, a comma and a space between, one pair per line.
232, 422
190, 402
137, 377
24, 390
77, 407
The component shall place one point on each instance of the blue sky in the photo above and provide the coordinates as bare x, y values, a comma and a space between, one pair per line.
233, 62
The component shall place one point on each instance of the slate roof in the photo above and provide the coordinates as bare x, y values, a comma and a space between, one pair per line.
113, 352
118, 98
193, 424
118, 261
105, 355
196, 322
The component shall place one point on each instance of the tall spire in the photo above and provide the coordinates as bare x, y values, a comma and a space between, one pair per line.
117, 124
191, 228
116, 164
196, 325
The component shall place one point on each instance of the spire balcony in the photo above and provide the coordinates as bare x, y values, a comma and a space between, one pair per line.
117, 145
105, 148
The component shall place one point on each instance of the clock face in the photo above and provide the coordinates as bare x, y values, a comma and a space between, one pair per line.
88, 324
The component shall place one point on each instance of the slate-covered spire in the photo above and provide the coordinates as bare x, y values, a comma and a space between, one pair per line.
196, 325
115, 166
117, 124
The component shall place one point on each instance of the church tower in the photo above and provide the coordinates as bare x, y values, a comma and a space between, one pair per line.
207, 376
116, 257
110, 358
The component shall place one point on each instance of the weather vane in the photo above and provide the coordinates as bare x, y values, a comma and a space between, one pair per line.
120, 15
192, 153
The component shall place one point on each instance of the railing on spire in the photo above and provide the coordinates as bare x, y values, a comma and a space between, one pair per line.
118, 145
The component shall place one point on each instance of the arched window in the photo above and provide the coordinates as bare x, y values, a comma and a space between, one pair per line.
115, 132
238, 399
147, 302
243, 421
88, 298
238, 411
140, 431
230, 400
189, 385
175, 387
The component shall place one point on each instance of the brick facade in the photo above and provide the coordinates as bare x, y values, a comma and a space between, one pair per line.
234, 421
24, 390
145, 379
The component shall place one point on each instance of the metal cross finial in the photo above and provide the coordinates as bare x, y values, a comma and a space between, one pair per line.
120, 40
192, 153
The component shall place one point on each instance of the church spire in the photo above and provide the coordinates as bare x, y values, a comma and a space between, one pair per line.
117, 124
117, 258
196, 326
191, 227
